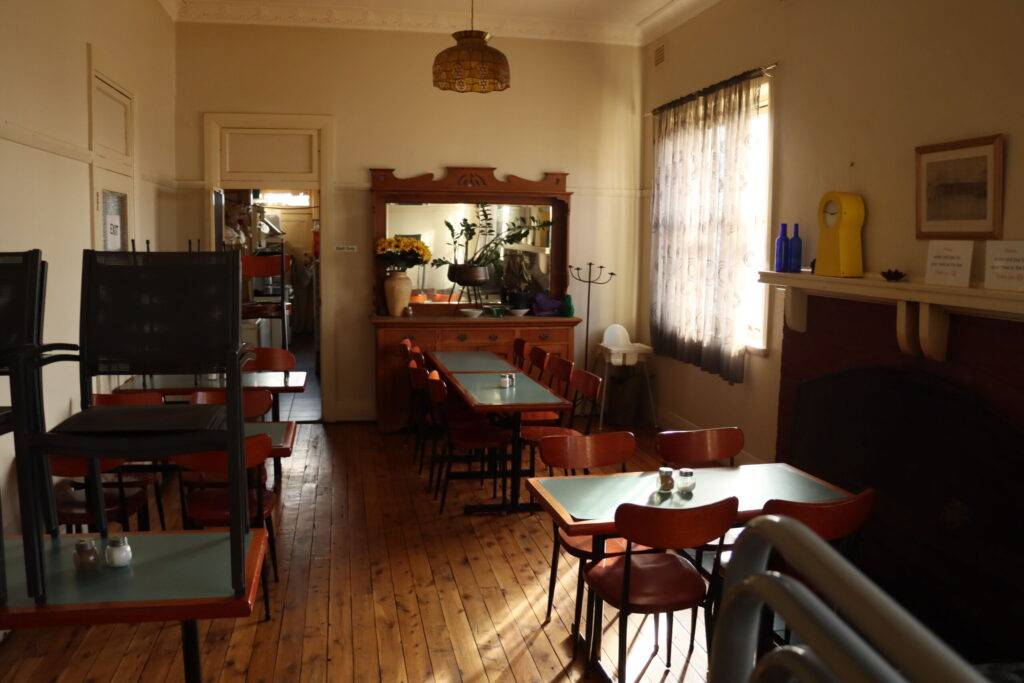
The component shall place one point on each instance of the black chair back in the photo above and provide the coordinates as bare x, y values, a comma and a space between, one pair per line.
22, 293
158, 313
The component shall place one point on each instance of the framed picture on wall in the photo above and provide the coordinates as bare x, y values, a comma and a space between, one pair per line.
960, 189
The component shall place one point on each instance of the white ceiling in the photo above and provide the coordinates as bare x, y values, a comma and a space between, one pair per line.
628, 22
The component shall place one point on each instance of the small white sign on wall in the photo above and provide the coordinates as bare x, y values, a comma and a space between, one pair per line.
949, 263
112, 233
1004, 265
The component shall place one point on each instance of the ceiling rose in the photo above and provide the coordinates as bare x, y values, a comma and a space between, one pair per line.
471, 65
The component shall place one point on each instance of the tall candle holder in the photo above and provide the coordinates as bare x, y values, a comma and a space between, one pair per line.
591, 279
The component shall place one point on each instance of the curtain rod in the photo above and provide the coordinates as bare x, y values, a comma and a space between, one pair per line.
738, 78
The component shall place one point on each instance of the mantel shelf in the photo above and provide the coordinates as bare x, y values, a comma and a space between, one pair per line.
922, 310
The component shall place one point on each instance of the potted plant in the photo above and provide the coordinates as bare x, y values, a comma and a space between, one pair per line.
399, 254
479, 246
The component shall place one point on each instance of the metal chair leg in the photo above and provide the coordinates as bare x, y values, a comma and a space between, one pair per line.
265, 584
268, 523
693, 628
668, 640
577, 615
623, 622
555, 548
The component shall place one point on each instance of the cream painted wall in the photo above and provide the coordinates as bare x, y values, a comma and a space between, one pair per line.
572, 107
859, 85
45, 193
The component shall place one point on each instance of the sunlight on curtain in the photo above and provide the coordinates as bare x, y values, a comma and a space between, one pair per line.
709, 223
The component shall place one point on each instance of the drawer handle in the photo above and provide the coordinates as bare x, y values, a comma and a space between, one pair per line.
544, 336
462, 337
492, 337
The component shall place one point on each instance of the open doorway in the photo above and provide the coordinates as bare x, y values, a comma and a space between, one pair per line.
281, 224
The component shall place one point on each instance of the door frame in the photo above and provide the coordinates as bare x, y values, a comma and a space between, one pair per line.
213, 123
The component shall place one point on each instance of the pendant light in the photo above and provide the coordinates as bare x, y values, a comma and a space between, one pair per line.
471, 65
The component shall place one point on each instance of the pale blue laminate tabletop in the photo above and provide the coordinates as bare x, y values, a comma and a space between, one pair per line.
472, 361
484, 393
595, 498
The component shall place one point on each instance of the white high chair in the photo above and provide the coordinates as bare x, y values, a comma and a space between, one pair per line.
617, 350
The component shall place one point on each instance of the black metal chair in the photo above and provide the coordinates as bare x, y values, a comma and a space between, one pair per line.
147, 313
22, 295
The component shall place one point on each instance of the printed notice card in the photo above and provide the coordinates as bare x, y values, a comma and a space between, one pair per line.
1004, 265
949, 263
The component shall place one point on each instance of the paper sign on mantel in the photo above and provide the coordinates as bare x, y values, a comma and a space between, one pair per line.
1004, 265
949, 263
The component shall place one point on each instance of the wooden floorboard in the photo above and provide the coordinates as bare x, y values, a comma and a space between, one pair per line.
375, 584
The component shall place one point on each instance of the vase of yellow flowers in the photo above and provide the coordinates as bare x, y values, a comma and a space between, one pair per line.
399, 254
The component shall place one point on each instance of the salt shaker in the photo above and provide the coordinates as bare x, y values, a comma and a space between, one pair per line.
87, 556
505, 381
119, 553
687, 482
665, 479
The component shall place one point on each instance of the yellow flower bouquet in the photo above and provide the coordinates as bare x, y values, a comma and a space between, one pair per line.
399, 253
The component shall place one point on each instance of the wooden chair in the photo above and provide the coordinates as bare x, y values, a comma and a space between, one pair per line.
420, 411
465, 443
519, 352
204, 506
537, 363
584, 390
699, 447
835, 521
270, 359
556, 378
268, 266
574, 453
256, 403
657, 583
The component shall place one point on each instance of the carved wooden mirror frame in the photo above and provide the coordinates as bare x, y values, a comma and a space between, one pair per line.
475, 185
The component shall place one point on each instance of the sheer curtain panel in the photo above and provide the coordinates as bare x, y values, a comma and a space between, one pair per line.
709, 223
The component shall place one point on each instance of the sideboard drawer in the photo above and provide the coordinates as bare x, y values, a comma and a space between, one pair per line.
541, 335
455, 339
389, 339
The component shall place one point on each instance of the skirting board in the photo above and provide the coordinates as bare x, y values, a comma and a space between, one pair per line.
669, 420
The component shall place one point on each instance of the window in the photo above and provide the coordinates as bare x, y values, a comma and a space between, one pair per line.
710, 225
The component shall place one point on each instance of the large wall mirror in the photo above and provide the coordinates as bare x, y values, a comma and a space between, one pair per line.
514, 240
518, 227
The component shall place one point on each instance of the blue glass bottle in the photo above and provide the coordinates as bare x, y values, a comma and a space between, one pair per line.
794, 255
782, 251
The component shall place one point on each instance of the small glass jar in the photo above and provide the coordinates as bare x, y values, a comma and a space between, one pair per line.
666, 482
87, 555
505, 381
119, 553
687, 482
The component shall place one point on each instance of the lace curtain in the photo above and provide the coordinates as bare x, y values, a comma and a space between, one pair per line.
709, 221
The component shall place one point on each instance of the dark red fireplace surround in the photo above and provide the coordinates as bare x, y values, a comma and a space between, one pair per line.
941, 441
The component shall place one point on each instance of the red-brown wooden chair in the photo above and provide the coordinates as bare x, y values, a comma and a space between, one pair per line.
699, 447
205, 506
584, 390
574, 453
519, 352
270, 359
537, 363
657, 583
465, 442
124, 497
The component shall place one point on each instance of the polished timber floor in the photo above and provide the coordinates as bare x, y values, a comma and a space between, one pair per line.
374, 585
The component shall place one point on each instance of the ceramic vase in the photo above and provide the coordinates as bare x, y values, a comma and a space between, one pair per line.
397, 291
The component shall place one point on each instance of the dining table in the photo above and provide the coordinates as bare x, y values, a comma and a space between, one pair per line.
476, 377
277, 383
585, 505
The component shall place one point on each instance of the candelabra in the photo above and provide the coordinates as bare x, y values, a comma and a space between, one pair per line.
591, 279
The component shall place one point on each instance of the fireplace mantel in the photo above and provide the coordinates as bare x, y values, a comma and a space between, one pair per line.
922, 311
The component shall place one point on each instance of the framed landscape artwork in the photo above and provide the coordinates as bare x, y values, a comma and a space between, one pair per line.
960, 189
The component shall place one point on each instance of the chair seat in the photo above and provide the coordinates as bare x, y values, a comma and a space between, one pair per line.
209, 507
262, 309
72, 508
661, 582
541, 416
583, 546
467, 438
533, 435
146, 419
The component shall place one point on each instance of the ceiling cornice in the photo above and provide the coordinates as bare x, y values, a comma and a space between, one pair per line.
311, 14
673, 14
172, 7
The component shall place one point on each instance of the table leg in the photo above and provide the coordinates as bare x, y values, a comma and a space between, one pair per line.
277, 474
275, 410
597, 625
190, 651
517, 455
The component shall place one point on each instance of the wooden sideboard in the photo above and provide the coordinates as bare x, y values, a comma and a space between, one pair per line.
453, 333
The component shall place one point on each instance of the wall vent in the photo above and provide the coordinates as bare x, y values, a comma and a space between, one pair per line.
659, 55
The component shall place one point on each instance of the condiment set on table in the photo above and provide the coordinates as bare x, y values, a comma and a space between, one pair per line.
87, 556
507, 380
667, 480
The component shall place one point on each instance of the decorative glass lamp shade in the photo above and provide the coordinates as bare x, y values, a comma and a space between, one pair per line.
471, 65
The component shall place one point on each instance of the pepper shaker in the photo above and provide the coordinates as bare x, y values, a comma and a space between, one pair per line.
87, 555
665, 479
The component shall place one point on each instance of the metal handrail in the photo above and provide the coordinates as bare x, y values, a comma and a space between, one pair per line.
868, 637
